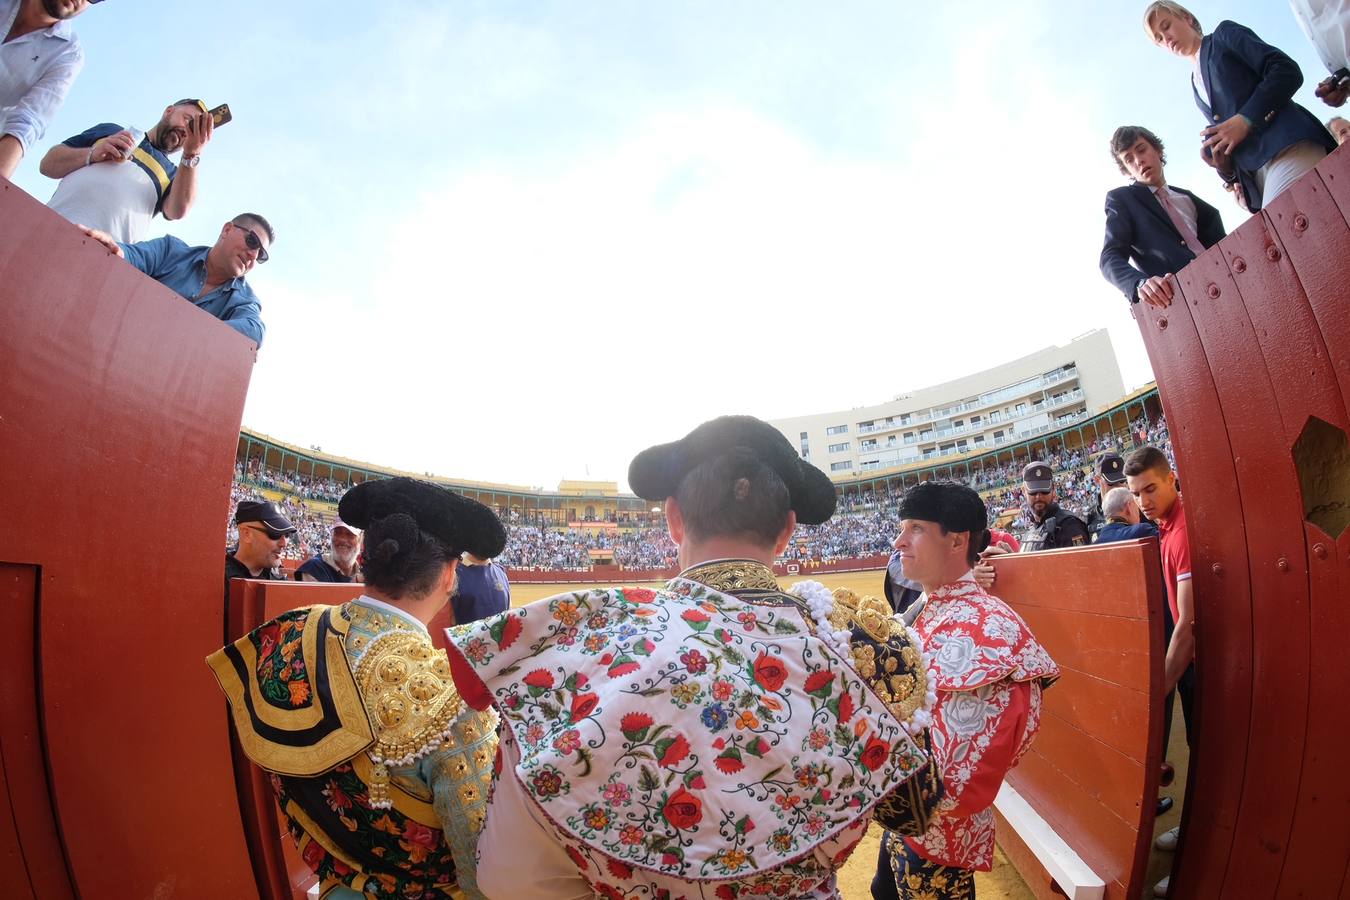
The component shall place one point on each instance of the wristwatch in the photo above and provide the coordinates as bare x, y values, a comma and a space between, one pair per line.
190, 161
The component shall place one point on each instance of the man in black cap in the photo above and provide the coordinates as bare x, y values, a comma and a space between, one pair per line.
990, 672
718, 728
379, 767
1108, 473
263, 530
1052, 527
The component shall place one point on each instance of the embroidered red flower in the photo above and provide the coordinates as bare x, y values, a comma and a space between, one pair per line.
696, 618
846, 709
540, 678
683, 810
770, 673
313, 854
577, 858
875, 753
676, 750
618, 869
729, 763
506, 631
583, 705
607, 891
418, 840
819, 683
639, 595
634, 725
694, 661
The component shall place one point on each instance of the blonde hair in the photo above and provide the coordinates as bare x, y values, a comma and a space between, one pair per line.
1168, 6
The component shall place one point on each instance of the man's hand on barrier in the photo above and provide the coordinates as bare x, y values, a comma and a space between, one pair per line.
1156, 291
1334, 90
103, 238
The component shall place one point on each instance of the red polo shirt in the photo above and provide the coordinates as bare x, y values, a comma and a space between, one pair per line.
1176, 551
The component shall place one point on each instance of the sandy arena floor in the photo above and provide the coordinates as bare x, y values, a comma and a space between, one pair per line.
1003, 883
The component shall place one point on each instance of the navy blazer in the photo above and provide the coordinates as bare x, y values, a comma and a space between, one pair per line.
1243, 74
1119, 531
1138, 227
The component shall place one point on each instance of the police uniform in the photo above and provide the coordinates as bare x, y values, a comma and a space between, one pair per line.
1111, 468
1059, 527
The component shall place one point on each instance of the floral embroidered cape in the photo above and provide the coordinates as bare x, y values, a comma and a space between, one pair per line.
686, 733
990, 673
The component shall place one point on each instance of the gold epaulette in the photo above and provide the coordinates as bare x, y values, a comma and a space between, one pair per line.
889, 655
410, 697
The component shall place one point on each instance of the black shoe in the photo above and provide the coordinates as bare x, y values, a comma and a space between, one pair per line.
1164, 804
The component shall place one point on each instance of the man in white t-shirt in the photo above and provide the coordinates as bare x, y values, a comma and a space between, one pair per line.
114, 184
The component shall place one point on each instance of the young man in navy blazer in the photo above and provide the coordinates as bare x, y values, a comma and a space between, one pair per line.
1161, 239
1245, 89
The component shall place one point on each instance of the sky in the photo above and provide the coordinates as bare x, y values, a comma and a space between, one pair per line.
521, 241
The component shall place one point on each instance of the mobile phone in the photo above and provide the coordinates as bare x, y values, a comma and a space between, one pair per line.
221, 114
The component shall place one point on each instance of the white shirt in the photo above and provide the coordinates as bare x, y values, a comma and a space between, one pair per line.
1327, 25
36, 71
116, 197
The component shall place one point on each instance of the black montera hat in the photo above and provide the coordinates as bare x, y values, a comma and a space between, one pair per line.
461, 523
656, 472
954, 506
1111, 467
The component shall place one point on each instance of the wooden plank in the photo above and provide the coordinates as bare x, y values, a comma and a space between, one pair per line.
1089, 569
18, 724
1223, 616
1079, 764
1268, 489
1111, 648
1116, 715
1319, 842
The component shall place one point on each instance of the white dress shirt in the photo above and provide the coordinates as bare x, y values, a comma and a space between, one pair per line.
36, 71
1327, 25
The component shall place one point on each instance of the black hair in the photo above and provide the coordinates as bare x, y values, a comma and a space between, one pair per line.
402, 560
734, 495
1147, 459
979, 540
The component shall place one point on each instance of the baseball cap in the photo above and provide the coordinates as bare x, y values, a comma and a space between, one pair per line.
1038, 477
338, 523
265, 514
1111, 466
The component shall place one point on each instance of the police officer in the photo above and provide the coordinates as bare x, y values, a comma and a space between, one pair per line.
1110, 473
263, 530
1052, 527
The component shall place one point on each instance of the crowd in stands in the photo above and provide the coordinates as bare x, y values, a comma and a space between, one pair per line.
863, 526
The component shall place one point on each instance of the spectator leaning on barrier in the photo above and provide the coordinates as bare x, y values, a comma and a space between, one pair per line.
481, 590
262, 538
1052, 527
212, 278
1158, 227
111, 184
338, 566
1327, 25
1257, 135
39, 59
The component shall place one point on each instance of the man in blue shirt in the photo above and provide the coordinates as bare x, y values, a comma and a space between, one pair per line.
481, 590
211, 278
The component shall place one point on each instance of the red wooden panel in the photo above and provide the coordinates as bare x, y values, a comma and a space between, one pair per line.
1223, 610
123, 403
1268, 489
1319, 843
30, 847
1098, 610
1113, 648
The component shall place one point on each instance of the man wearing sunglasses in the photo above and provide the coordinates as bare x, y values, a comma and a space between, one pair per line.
1052, 527
263, 530
211, 278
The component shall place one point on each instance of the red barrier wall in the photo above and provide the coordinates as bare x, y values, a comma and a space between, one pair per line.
1258, 342
1098, 610
119, 415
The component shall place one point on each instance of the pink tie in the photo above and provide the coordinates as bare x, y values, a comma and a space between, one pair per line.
1175, 215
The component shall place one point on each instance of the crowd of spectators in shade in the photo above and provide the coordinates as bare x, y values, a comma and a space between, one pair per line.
863, 526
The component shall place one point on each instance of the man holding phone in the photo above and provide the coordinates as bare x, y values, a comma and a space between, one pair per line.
116, 180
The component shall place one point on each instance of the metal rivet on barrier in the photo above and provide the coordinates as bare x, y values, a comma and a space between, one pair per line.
1216, 569
1319, 551
1239, 265
1273, 253
1162, 322
1213, 292
1282, 564
1300, 222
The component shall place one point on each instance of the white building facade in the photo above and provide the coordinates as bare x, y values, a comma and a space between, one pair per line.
1043, 391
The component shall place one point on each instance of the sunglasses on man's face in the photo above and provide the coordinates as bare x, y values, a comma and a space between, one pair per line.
251, 242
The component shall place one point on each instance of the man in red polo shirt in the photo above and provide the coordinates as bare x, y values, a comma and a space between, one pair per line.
1150, 479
